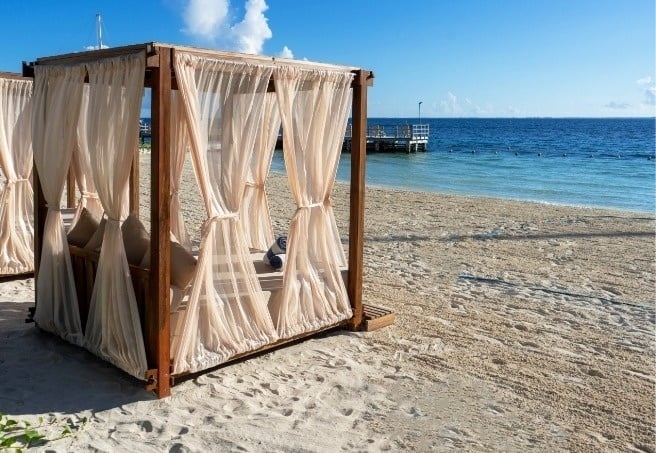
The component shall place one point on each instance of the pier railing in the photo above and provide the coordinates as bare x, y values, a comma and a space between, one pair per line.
403, 131
380, 138
420, 131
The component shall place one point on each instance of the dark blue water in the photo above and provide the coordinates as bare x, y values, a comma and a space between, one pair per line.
608, 163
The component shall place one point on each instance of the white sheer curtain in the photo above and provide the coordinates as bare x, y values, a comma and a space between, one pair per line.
226, 312
314, 106
179, 144
55, 111
255, 208
16, 196
113, 329
82, 167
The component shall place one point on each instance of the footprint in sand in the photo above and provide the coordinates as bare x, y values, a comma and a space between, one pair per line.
529, 344
595, 373
271, 387
494, 409
522, 327
145, 425
179, 448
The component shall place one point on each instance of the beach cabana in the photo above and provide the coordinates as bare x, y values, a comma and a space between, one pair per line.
145, 300
16, 211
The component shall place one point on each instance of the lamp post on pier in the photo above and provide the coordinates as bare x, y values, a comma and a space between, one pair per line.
420, 102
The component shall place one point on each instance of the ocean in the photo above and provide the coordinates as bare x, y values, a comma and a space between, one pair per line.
608, 162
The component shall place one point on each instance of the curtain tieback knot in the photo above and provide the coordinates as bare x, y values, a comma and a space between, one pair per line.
255, 185
89, 195
55, 208
216, 218
113, 220
14, 181
319, 204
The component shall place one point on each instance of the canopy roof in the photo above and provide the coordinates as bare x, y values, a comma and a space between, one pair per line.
152, 52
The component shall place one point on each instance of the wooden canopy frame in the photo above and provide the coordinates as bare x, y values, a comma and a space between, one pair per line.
160, 77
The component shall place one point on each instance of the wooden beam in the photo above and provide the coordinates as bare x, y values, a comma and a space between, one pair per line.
356, 215
97, 54
14, 75
157, 313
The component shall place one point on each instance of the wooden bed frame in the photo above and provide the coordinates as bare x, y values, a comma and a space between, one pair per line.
152, 287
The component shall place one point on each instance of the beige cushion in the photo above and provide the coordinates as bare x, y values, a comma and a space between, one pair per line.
95, 241
84, 228
183, 265
135, 239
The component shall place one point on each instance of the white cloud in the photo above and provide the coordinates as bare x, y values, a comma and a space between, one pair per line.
103, 46
650, 96
450, 105
617, 105
205, 18
286, 53
511, 110
251, 32
209, 21
644, 81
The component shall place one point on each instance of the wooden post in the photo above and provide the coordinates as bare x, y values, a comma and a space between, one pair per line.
70, 188
40, 209
356, 215
157, 324
40, 212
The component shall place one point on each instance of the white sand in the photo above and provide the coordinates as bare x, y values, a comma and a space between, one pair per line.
550, 346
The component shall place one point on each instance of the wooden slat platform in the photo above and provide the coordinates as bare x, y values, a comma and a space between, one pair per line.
67, 217
377, 317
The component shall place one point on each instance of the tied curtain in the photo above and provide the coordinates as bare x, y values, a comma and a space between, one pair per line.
226, 312
179, 145
82, 167
113, 328
314, 107
255, 208
55, 111
16, 196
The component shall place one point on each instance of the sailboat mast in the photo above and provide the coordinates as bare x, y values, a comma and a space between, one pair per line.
99, 31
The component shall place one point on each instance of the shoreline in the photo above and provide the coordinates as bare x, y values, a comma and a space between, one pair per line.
520, 200
533, 353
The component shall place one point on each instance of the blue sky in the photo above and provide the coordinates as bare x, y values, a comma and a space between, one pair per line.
503, 58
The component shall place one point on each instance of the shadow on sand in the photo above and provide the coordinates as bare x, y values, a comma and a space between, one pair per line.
41, 373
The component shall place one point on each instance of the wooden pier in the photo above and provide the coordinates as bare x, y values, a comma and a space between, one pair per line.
145, 131
408, 138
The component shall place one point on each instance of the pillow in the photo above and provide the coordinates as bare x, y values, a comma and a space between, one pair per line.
84, 228
95, 241
183, 265
135, 239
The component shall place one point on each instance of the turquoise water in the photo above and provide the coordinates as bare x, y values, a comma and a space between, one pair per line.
608, 163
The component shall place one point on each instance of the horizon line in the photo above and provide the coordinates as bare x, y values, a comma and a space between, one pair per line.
504, 117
